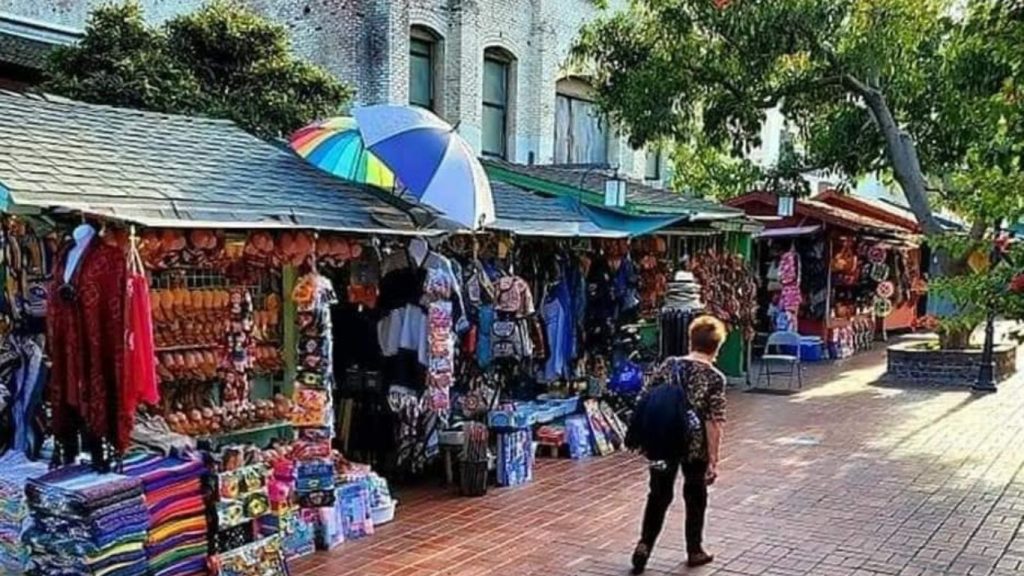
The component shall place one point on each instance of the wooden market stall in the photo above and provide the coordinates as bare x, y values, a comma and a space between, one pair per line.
688, 227
838, 268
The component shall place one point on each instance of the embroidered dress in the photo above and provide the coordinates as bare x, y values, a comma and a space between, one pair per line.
85, 333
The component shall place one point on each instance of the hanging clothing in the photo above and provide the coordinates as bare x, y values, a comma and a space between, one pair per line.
555, 323
484, 353
400, 327
85, 333
10, 364
443, 301
140, 351
28, 399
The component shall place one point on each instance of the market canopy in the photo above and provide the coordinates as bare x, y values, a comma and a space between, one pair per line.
172, 171
788, 231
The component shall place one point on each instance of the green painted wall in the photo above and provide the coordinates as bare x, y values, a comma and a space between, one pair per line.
732, 360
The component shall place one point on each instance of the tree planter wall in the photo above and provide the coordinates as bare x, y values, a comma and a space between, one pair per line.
914, 363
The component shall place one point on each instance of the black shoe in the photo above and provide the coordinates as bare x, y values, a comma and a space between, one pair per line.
699, 558
640, 557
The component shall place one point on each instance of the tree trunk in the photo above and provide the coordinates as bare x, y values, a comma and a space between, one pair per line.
906, 166
902, 152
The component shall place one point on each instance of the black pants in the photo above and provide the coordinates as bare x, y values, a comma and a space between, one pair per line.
695, 496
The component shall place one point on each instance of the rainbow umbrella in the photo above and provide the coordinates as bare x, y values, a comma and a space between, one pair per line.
335, 146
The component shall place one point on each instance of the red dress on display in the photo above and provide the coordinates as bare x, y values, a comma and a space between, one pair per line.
86, 338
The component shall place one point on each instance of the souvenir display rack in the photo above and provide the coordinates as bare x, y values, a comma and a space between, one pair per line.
192, 309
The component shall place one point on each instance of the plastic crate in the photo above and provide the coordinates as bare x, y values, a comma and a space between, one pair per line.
509, 419
561, 406
384, 513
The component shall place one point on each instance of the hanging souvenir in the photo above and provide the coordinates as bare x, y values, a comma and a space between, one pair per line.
313, 412
845, 261
885, 290
877, 254
879, 272
238, 352
882, 307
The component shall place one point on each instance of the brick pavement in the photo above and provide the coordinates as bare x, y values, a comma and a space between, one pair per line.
843, 479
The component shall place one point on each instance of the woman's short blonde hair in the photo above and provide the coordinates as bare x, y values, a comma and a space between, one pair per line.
707, 334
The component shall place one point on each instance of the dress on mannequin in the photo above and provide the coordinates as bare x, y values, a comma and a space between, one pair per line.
86, 339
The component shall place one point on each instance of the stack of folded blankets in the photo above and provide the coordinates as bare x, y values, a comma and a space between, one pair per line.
177, 543
84, 523
15, 471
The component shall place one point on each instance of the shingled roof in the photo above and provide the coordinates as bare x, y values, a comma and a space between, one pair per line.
817, 209
169, 170
525, 213
640, 198
27, 43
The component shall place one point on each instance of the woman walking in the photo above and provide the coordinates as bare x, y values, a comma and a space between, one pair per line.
678, 426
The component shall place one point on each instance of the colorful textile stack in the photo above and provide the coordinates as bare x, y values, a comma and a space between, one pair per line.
86, 524
14, 514
177, 542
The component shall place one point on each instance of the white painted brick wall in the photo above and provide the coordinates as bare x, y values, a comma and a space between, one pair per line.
366, 44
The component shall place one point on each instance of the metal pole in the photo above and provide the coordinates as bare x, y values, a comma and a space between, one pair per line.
987, 371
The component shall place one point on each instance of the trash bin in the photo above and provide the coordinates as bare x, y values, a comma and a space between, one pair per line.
473, 478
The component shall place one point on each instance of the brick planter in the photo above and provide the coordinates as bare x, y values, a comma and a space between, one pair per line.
915, 364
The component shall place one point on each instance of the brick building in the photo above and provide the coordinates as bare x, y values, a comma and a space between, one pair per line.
497, 68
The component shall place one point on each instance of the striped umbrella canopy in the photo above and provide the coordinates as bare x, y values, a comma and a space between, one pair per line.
434, 163
335, 146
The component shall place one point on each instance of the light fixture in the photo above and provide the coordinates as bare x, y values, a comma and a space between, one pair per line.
786, 205
615, 192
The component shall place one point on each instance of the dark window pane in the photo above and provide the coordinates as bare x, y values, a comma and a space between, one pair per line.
653, 168
420, 47
493, 131
495, 82
421, 81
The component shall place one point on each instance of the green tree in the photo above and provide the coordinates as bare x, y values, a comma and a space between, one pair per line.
915, 88
221, 61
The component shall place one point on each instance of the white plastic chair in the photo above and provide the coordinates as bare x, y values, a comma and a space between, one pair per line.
774, 356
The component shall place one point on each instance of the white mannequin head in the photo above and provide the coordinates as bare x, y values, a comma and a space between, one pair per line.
418, 250
83, 233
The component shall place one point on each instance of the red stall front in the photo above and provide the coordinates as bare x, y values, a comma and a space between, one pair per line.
838, 268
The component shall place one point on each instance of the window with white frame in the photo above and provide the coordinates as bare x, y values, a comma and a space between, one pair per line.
494, 124
424, 76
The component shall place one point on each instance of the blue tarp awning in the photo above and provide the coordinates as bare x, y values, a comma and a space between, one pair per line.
629, 224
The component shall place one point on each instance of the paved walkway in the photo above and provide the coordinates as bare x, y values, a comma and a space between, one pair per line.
843, 479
